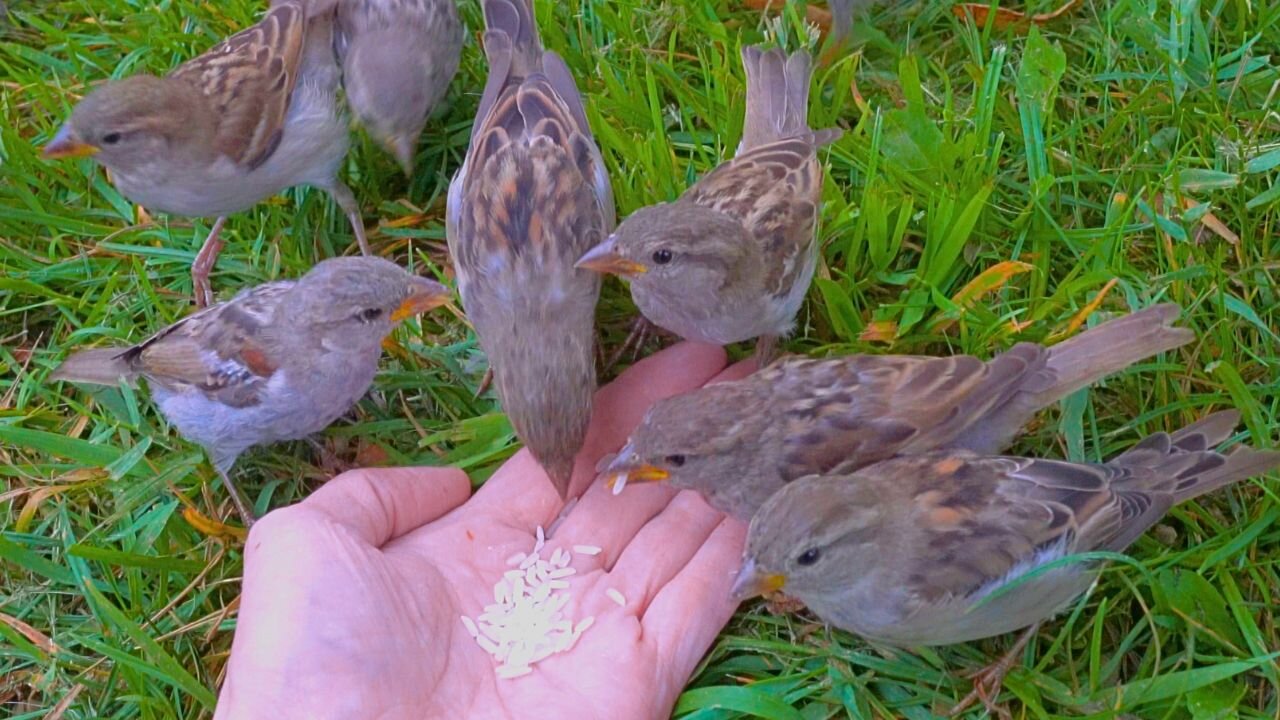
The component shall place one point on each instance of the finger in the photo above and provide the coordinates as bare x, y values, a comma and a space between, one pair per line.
520, 491
385, 503
736, 371
610, 521
686, 615
662, 548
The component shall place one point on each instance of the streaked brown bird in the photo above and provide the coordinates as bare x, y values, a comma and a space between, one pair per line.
254, 115
951, 546
279, 361
532, 196
732, 258
739, 442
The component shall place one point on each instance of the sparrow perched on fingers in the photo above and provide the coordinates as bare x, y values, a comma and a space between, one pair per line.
277, 362
951, 546
732, 258
532, 196
739, 442
254, 115
398, 58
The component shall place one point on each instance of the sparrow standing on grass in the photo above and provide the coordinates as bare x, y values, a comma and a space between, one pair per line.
917, 550
739, 442
254, 115
398, 58
277, 362
732, 258
530, 199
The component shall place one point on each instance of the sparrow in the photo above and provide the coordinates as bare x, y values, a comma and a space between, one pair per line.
732, 258
254, 115
279, 361
952, 546
398, 58
531, 197
739, 442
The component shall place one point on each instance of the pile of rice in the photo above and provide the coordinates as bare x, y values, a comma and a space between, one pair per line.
526, 621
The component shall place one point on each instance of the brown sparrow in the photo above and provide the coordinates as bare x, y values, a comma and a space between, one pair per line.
944, 547
732, 258
254, 115
739, 442
531, 197
398, 58
277, 362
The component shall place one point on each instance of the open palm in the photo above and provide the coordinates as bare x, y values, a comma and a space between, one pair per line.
352, 598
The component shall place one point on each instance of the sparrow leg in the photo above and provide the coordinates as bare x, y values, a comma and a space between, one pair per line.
203, 264
766, 349
485, 382
641, 330
347, 201
242, 507
987, 681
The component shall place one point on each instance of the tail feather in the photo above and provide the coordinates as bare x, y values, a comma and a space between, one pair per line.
515, 19
99, 366
1239, 464
777, 95
1078, 363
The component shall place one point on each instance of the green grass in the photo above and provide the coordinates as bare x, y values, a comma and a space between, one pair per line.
1097, 153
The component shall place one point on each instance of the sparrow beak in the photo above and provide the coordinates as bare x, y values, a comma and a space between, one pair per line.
426, 295
624, 469
751, 583
66, 144
604, 258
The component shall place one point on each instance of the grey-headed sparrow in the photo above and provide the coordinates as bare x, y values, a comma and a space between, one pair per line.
277, 362
532, 196
254, 115
398, 58
739, 442
732, 258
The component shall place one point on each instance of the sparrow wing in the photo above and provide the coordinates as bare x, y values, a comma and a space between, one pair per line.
222, 351
249, 79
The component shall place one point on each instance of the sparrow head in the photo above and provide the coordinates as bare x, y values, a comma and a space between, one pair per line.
391, 82
360, 300
813, 538
673, 246
706, 440
127, 124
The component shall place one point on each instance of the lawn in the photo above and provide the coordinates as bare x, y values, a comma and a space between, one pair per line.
993, 185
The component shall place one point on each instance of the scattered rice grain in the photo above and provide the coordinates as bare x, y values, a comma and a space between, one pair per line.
513, 671
616, 596
586, 549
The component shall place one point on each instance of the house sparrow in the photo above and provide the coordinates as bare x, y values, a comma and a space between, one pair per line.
739, 442
254, 115
732, 258
531, 197
915, 550
398, 58
276, 362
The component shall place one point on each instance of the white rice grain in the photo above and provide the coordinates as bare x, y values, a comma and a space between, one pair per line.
470, 625
513, 671
616, 596
619, 482
516, 559
586, 549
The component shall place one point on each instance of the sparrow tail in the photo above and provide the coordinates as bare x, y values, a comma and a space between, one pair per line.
1187, 460
1075, 364
514, 18
99, 366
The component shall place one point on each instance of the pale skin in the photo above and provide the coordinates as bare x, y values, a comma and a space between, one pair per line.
352, 597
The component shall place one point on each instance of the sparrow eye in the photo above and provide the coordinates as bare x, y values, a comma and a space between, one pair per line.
111, 138
370, 314
809, 557
676, 460
662, 257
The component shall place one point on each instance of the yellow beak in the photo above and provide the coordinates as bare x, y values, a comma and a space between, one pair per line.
67, 145
751, 582
604, 258
427, 295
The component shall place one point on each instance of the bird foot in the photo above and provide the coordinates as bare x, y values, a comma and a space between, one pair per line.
641, 331
988, 681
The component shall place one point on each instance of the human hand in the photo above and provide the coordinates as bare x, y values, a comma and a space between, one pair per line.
352, 597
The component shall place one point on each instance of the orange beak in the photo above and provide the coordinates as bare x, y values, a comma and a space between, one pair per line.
604, 258
625, 468
427, 295
67, 145
751, 582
